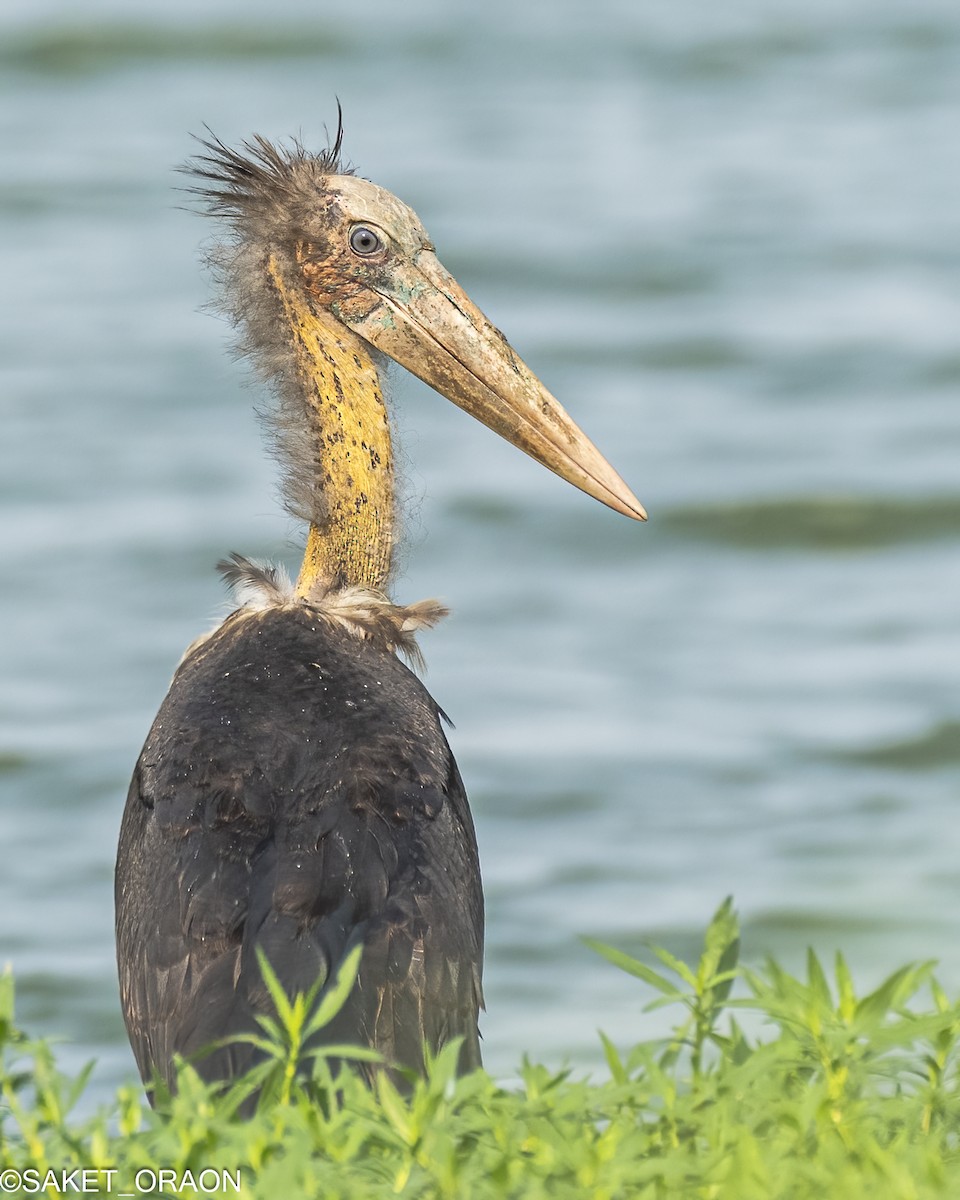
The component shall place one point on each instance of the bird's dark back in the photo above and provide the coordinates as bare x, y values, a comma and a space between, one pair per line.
296, 793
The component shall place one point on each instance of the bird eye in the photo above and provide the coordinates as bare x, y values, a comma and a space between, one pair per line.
364, 241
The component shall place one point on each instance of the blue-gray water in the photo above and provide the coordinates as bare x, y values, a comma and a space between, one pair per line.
727, 238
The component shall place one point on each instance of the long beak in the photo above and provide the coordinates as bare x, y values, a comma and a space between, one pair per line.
426, 322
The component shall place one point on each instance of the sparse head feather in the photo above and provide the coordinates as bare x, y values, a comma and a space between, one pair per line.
268, 194
263, 179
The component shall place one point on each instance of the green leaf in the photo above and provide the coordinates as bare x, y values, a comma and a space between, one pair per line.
618, 1072
817, 980
393, 1106
271, 1028
347, 1051
633, 967
78, 1085
336, 994
847, 997
269, 1046
281, 1001
6, 998
677, 965
727, 970
722, 933
441, 1065
722, 982
893, 992
665, 1001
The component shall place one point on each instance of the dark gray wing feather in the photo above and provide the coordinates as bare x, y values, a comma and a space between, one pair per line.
296, 793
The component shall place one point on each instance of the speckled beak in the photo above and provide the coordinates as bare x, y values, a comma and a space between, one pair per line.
426, 322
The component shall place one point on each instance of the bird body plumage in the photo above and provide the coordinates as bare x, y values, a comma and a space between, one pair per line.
296, 794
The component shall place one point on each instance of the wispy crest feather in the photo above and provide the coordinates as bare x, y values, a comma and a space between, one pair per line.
264, 177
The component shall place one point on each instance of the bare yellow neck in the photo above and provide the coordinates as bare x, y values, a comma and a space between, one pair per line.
350, 542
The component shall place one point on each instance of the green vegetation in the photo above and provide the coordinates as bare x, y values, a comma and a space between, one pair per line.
835, 1096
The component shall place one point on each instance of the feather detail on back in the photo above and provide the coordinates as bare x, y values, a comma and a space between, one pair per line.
363, 612
256, 585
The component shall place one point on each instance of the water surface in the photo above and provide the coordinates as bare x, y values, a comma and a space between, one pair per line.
728, 241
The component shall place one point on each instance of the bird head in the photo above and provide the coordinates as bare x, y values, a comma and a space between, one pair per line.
353, 252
